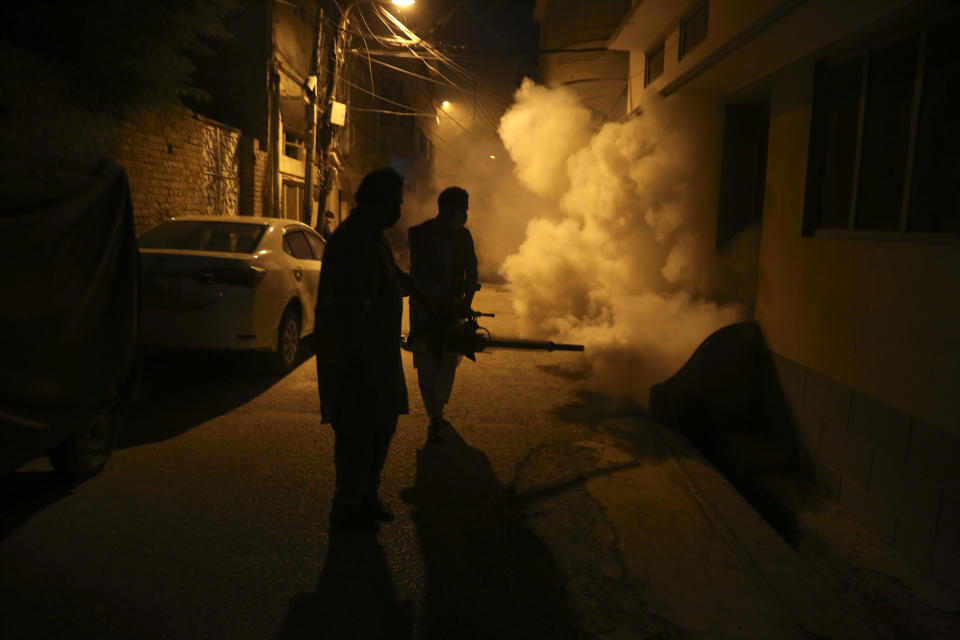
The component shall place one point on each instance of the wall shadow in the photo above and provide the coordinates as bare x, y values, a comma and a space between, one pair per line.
26, 493
487, 575
728, 401
180, 390
355, 597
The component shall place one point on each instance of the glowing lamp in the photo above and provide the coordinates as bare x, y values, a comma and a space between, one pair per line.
403, 3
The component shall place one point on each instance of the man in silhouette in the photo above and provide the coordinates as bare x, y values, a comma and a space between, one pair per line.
359, 371
443, 266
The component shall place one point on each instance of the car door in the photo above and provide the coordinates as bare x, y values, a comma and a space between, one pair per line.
317, 245
306, 272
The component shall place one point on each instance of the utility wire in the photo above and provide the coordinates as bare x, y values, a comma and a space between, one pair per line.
382, 53
369, 64
435, 137
386, 16
420, 114
462, 50
363, 18
486, 24
451, 49
457, 122
410, 38
399, 35
404, 71
384, 99
442, 21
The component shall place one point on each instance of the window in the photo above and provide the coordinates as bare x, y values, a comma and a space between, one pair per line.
654, 65
693, 28
934, 196
316, 244
423, 144
392, 93
885, 142
198, 235
293, 146
295, 244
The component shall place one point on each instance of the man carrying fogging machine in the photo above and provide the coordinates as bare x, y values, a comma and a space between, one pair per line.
443, 266
443, 327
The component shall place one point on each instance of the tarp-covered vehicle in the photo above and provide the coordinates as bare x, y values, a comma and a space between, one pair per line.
69, 312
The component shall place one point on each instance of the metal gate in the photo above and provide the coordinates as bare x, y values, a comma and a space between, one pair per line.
221, 170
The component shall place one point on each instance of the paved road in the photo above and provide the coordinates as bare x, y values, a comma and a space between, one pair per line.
211, 520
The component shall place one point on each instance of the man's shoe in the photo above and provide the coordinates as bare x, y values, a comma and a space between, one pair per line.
382, 511
353, 519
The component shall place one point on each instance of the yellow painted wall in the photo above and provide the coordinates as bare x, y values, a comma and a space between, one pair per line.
882, 316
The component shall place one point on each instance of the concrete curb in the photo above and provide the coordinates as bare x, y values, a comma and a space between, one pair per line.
673, 549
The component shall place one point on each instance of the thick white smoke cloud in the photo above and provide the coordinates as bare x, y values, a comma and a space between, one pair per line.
565, 130
625, 262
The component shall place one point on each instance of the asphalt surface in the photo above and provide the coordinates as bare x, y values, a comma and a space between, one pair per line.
211, 520
547, 512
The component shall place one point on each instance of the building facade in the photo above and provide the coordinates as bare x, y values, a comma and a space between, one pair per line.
840, 136
272, 80
573, 37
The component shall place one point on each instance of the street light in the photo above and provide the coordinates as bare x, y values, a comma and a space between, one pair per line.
446, 104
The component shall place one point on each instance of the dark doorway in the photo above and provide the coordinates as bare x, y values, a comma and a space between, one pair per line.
744, 170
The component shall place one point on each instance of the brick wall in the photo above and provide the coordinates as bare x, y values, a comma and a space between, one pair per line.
253, 171
162, 150
897, 475
162, 153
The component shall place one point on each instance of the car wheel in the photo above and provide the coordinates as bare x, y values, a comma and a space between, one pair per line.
284, 358
83, 456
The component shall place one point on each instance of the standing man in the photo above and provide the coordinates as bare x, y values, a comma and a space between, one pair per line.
443, 265
325, 228
359, 371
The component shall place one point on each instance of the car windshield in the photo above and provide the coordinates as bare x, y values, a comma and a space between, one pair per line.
201, 235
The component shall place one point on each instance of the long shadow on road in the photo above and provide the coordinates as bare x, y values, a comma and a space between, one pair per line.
487, 575
179, 391
183, 389
24, 494
355, 597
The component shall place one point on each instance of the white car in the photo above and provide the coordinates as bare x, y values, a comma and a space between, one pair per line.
212, 282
